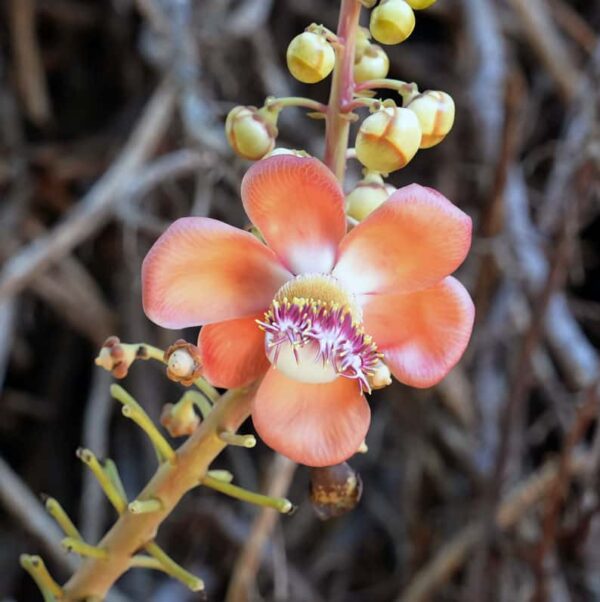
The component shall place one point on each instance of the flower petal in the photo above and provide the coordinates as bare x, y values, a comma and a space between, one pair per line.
201, 271
422, 335
313, 424
298, 206
233, 352
413, 240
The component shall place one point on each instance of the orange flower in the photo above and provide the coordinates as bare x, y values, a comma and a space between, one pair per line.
315, 309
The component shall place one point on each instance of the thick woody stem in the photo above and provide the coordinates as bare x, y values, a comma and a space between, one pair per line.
342, 89
132, 532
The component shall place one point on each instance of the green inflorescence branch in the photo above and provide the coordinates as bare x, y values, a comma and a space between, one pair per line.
280, 504
179, 472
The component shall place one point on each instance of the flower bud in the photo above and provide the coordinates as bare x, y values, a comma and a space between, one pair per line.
392, 21
373, 64
367, 195
117, 357
287, 151
363, 37
250, 132
179, 419
420, 4
388, 140
310, 57
183, 362
334, 490
380, 377
435, 111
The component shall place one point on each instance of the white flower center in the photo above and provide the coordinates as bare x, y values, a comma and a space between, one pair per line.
313, 332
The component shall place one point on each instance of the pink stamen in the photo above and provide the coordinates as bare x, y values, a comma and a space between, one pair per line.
339, 340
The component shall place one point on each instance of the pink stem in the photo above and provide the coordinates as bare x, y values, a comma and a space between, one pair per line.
342, 89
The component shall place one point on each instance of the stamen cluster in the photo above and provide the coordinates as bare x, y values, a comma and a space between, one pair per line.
339, 340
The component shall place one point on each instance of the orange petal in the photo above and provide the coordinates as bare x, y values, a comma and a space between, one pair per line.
313, 424
233, 352
201, 271
422, 335
412, 241
298, 206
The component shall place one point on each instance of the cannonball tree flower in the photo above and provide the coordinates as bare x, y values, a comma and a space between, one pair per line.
316, 310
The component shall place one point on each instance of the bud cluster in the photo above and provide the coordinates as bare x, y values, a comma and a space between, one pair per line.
390, 136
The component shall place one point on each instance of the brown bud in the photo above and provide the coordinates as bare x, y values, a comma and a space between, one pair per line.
183, 362
334, 490
179, 419
116, 357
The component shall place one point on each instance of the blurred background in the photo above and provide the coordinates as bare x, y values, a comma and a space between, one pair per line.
111, 126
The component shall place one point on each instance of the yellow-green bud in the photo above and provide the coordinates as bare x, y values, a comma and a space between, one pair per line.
310, 57
435, 111
380, 377
392, 21
250, 134
367, 195
179, 419
363, 36
420, 4
388, 140
373, 64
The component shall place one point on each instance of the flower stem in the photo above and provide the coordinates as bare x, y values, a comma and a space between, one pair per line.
140, 561
132, 409
112, 492
273, 103
342, 89
198, 400
112, 472
405, 89
239, 493
238, 440
142, 506
220, 475
171, 481
56, 511
85, 550
170, 567
35, 566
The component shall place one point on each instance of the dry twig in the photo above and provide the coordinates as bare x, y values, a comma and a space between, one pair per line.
248, 562
97, 206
